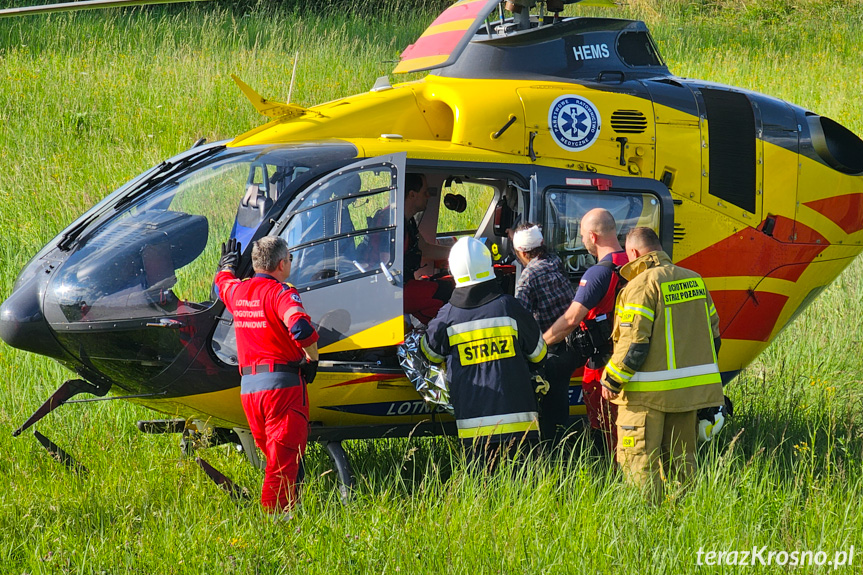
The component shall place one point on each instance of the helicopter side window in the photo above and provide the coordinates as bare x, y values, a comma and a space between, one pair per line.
564, 210
465, 203
157, 253
638, 49
343, 227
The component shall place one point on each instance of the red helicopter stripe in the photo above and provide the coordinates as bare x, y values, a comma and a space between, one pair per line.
439, 44
747, 315
461, 11
845, 211
368, 378
783, 255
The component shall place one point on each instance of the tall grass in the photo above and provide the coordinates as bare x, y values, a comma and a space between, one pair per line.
88, 100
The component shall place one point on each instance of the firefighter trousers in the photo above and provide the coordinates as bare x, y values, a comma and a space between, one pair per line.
655, 447
554, 405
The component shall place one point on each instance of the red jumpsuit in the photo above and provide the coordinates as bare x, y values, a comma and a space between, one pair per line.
272, 390
601, 413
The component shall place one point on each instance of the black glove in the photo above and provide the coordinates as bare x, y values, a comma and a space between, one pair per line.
309, 369
230, 256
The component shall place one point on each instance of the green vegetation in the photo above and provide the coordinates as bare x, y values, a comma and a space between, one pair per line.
89, 100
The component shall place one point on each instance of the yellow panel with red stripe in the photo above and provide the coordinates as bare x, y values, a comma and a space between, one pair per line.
443, 41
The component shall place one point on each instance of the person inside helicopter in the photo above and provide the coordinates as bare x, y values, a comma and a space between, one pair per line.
423, 297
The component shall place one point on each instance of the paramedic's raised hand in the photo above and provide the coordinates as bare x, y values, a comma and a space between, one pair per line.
230, 256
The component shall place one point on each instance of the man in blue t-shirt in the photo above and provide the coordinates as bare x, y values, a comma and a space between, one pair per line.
594, 302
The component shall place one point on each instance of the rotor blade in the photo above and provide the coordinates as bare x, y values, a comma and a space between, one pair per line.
270, 109
82, 5
67, 390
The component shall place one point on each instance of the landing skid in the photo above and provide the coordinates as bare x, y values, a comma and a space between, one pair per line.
195, 435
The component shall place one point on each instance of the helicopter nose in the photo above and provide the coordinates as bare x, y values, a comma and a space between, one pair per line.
23, 326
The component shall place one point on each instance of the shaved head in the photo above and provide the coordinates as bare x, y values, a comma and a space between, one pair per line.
599, 221
643, 239
599, 233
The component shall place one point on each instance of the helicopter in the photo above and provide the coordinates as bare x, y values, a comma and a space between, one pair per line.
524, 115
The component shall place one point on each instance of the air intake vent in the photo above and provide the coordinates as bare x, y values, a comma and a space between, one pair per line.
679, 233
628, 122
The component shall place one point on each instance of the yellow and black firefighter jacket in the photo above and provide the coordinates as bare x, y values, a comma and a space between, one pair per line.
666, 336
488, 340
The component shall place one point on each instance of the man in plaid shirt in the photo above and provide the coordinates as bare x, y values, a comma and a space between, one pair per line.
545, 291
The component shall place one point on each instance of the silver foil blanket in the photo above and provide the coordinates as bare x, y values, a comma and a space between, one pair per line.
428, 378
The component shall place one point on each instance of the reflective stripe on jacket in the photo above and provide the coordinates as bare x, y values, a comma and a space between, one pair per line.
665, 325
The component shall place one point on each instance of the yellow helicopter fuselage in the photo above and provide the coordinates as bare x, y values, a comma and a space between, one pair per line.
760, 278
762, 198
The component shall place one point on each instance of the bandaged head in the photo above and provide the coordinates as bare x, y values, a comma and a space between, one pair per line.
528, 239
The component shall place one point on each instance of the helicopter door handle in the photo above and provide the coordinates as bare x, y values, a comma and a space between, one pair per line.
387, 274
167, 323
623, 142
606, 76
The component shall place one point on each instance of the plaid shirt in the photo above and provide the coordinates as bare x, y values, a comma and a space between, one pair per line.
544, 289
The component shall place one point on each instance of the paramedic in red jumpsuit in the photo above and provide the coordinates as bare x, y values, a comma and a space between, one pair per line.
278, 352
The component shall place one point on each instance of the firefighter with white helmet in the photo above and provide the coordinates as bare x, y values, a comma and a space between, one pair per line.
489, 343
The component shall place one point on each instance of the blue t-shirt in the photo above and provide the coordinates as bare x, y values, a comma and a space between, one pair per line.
594, 284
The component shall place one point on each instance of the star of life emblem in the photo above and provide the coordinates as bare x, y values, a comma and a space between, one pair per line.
574, 123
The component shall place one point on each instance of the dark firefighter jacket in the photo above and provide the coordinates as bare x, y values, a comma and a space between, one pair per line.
488, 340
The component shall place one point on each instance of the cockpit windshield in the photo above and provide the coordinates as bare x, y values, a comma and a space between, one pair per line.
157, 255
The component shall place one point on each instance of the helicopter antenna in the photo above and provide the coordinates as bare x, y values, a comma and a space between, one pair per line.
293, 76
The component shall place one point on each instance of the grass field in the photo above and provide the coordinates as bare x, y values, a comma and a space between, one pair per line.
89, 100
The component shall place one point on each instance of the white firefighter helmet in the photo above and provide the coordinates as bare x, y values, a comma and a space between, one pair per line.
710, 422
470, 262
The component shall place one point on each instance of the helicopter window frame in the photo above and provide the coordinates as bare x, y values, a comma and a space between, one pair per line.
624, 46
583, 258
152, 202
307, 201
474, 188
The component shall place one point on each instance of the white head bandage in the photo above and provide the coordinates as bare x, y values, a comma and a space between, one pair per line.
526, 240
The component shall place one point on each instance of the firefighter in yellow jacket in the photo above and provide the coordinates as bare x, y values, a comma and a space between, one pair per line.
664, 367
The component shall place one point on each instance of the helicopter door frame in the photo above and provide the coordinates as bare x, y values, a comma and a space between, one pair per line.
551, 180
364, 308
